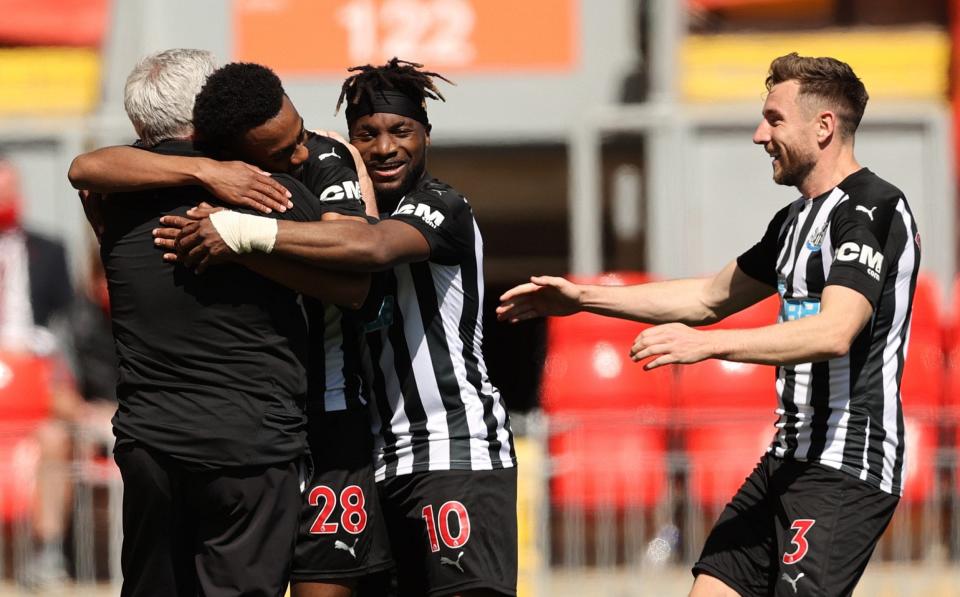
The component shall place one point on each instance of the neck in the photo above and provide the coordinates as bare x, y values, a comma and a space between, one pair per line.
829, 172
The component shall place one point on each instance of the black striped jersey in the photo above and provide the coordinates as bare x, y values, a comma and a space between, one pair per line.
335, 334
434, 406
846, 412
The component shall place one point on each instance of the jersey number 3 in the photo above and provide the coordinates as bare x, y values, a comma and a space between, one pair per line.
801, 526
354, 517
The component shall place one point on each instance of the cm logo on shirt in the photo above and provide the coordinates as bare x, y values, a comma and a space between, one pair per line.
851, 251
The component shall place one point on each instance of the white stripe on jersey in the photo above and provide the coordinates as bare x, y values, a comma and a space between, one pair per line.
399, 423
453, 304
334, 393
839, 411
422, 370
866, 452
805, 409
891, 390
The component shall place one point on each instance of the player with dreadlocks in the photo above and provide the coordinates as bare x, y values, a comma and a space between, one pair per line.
444, 457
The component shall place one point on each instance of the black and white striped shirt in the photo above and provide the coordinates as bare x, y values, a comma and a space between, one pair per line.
845, 413
434, 407
336, 335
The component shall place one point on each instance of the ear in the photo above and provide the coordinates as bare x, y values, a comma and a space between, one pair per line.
426, 132
826, 126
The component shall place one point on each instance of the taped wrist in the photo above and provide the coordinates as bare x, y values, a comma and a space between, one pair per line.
245, 233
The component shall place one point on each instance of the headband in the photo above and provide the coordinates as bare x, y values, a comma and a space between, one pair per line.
389, 102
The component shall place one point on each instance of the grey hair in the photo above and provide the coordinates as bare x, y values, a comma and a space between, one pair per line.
160, 92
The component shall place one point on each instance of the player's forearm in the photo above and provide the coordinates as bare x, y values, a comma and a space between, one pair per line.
808, 340
339, 245
346, 289
656, 302
122, 169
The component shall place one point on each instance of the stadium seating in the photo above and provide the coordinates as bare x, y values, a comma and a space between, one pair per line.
609, 415
24, 403
922, 389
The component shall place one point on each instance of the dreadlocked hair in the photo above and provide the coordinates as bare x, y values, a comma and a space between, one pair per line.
398, 75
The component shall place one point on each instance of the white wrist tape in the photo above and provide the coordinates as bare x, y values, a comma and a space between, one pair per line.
244, 232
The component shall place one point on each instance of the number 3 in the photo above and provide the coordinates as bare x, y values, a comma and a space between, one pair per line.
801, 526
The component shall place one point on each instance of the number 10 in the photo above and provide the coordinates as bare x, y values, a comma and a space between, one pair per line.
443, 522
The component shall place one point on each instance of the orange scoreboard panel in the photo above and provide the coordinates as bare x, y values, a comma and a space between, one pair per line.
323, 37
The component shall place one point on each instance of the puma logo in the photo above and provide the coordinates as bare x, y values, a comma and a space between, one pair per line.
448, 562
347, 548
869, 212
793, 581
333, 153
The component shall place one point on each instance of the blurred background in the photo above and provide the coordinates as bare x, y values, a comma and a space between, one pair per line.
590, 137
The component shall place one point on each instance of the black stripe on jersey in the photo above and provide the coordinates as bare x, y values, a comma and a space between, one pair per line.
457, 427
861, 379
468, 324
412, 404
316, 355
791, 234
351, 332
375, 345
819, 372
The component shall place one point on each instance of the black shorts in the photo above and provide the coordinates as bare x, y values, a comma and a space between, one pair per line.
796, 528
342, 532
216, 533
453, 531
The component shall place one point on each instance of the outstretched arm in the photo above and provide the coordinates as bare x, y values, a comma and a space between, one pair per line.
347, 289
342, 244
826, 335
694, 301
121, 169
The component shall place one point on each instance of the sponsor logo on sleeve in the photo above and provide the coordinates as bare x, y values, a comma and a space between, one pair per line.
432, 217
863, 254
330, 154
869, 212
346, 190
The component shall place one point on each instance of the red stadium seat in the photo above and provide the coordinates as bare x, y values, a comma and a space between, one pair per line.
608, 415
610, 460
588, 362
922, 389
726, 410
24, 404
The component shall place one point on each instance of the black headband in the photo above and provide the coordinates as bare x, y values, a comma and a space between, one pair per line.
390, 102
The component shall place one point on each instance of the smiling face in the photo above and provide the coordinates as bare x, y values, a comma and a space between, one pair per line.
789, 133
277, 145
394, 149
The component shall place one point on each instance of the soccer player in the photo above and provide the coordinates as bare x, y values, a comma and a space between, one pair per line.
342, 534
210, 428
444, 451
844, 259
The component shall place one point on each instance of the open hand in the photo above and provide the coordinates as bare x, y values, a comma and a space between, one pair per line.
543, 295
239, 183
671, 343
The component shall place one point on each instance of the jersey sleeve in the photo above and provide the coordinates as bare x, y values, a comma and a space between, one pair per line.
859, 230
306, 207
760, 261
330, 174
444, 218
